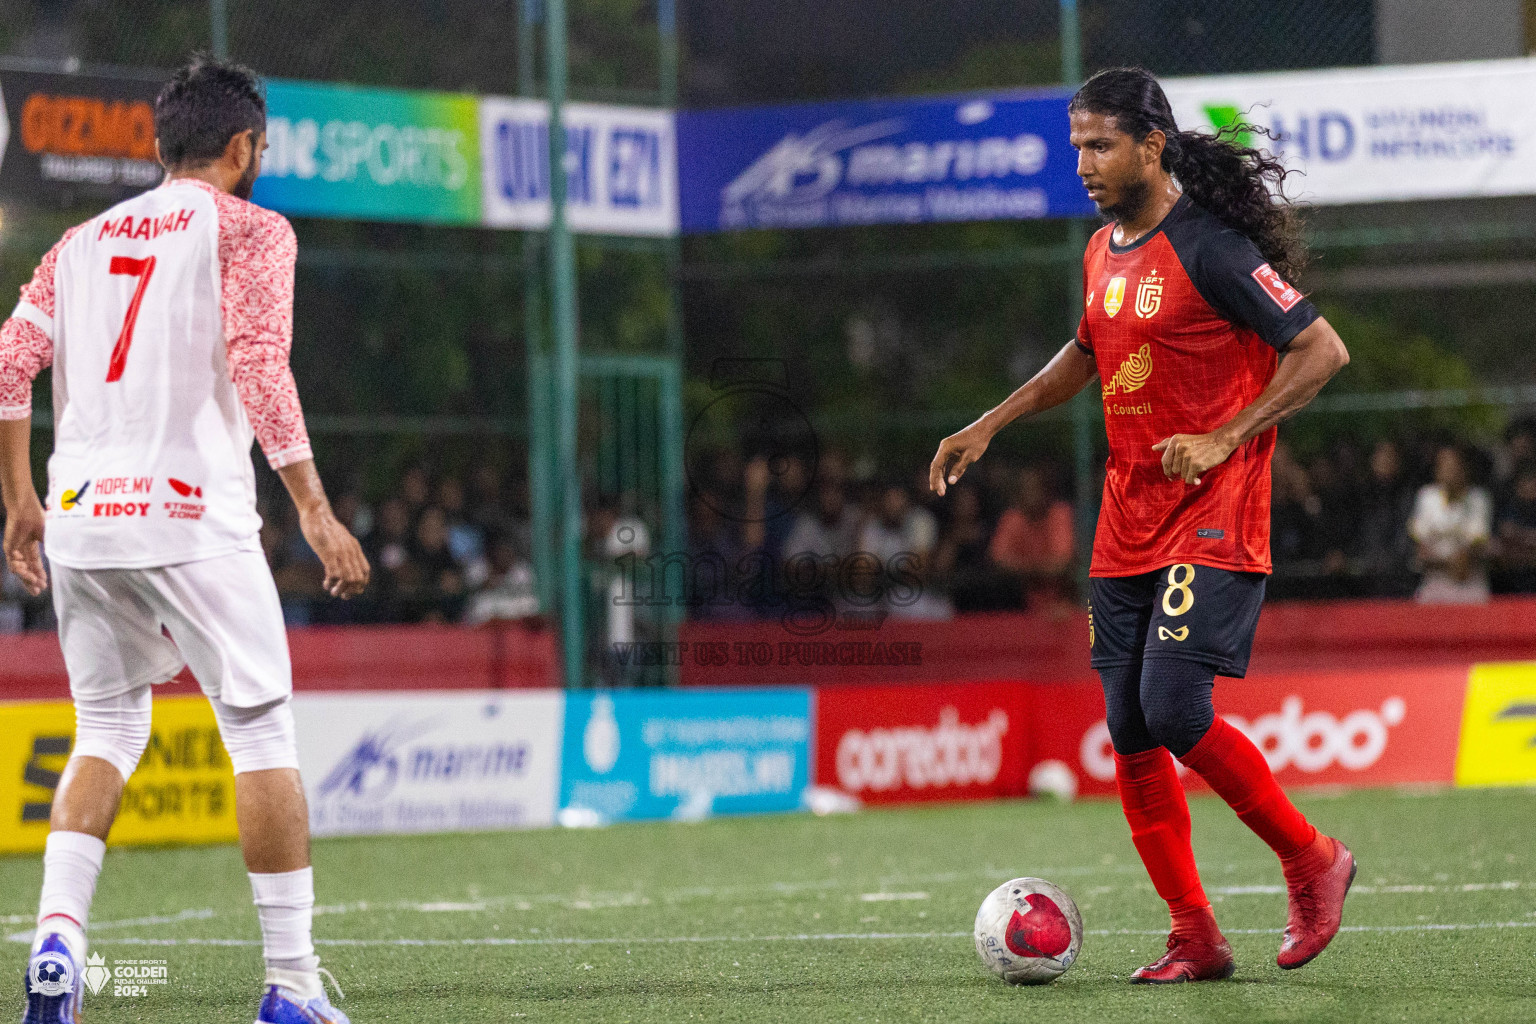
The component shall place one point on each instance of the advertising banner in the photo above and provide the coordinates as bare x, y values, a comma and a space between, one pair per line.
68, 139
898, 161
898, 744
621, 167
1354, 729
183, 790
685, 754
1498, 727
372, 154
429, 762
1362, 135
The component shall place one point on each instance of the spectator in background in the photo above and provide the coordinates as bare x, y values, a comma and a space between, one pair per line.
1385, 505
901, 535
1451, 524
1519, 448
415, 489
715, 550
961, 565
830, 529
508, 591
466, 540
1034, 541
1516, 534
1296, 512
439, 583
388, 549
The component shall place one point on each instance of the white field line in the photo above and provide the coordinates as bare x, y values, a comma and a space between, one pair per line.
652, 940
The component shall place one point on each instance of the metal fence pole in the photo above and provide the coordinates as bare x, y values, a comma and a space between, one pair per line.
218, 24
1082, 403
674, 528
562, 322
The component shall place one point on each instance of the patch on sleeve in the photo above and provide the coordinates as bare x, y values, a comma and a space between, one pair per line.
1275, 287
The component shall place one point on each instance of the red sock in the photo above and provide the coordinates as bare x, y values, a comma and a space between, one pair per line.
1153, 800
1235, 768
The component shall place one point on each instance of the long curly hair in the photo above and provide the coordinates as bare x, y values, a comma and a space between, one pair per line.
1242, 187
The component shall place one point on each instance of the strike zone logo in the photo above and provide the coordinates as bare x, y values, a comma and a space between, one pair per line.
185, 509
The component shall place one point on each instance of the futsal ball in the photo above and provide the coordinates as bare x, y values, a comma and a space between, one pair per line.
1028, 931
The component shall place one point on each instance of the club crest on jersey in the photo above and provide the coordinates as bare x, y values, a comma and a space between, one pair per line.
1114, 296
1134, 371
1149, 295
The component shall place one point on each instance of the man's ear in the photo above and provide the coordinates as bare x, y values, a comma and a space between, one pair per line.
159, 159
239, 150
1153, 144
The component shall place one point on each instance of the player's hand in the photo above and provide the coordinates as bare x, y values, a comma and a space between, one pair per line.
956, 453
24, 543
346, 567
1188, 456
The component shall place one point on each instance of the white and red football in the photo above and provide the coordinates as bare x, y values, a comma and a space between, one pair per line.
1028, 931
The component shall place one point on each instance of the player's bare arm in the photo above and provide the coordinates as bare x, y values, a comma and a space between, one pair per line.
346, 568
1060, 379
23, 512
1310, 361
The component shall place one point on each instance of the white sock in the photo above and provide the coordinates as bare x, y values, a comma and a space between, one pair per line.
285, 904
71, 862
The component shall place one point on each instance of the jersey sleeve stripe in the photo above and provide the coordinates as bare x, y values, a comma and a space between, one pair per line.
34, 316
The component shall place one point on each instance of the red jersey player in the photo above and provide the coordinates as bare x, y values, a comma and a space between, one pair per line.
1201, 347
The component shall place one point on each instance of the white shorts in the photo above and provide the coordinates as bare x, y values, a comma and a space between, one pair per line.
222, 613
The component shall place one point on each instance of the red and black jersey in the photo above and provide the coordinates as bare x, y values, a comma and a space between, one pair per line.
1185, 325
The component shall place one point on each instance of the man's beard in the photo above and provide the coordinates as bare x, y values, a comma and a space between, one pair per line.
1133, 200
247, 184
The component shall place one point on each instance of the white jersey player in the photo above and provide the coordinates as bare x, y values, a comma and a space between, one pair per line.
168, 322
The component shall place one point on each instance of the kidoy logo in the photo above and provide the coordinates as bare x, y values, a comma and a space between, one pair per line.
1134, 371
96, 974
1114, 296
69, 499
51, 974
1149, 295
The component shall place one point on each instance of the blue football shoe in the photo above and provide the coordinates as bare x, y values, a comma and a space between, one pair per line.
283, 1005
53, 985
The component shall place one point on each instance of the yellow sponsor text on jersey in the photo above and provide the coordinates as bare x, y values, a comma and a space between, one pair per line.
1498, 726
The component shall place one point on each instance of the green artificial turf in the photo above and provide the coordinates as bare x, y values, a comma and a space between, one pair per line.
862, 917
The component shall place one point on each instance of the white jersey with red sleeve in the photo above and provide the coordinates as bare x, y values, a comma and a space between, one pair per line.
168, 320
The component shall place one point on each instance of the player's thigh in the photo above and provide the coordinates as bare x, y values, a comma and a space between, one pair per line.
1205, 614
109, 631
1119, 615
225, 616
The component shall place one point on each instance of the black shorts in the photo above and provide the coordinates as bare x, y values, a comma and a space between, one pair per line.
1185, 611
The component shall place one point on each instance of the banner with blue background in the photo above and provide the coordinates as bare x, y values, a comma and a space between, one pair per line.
898, 161
685, 754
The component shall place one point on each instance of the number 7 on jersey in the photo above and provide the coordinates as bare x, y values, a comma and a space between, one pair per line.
142, 269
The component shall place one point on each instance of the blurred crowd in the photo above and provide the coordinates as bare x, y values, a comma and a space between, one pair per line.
1430, 520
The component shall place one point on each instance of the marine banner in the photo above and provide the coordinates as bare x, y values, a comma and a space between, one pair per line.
1003, 156
429, 761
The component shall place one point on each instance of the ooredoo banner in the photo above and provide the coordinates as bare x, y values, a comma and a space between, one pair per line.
897, 744
429, 762
1369, 134
76, 138
1351, 729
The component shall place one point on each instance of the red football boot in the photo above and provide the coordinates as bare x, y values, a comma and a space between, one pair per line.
1188, 959
1316, 910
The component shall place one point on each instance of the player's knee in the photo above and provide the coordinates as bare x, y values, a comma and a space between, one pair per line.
258, 738
1176, 703
114, 729
1122, 709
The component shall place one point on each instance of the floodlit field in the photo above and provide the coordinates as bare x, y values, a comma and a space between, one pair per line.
858, 918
